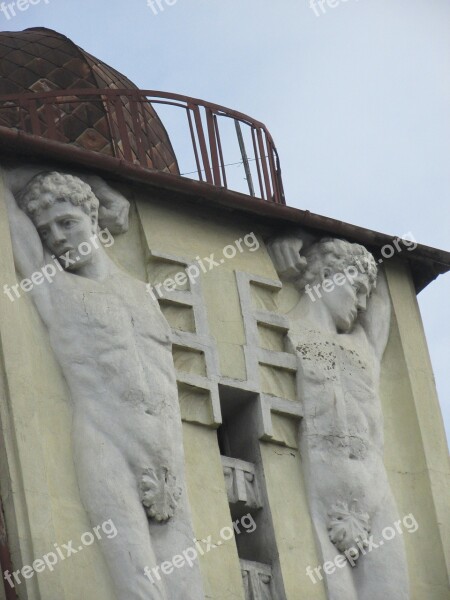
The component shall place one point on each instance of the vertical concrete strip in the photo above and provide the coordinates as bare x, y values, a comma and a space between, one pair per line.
206, 488
424, 397
294, 530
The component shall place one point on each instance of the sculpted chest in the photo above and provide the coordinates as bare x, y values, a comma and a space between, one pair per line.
339, 394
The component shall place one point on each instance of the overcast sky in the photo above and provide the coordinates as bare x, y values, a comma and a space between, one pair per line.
357, 100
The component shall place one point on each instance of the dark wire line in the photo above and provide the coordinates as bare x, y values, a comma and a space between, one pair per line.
241, 162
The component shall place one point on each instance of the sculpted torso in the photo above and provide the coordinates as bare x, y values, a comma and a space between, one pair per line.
339, 330
342, 420
114, 349
114, 346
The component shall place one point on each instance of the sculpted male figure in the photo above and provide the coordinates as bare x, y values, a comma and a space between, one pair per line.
114, 348
339, 330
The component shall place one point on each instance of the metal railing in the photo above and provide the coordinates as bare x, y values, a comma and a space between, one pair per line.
205, 134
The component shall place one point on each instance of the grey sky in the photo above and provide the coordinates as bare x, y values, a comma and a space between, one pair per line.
356, 99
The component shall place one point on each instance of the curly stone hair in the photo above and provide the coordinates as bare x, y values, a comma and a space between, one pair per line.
47, 188
337, 255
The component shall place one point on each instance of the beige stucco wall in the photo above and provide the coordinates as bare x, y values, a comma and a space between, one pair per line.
37, 478
415, 447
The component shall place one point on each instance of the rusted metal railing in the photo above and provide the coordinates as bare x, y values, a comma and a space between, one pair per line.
43, 113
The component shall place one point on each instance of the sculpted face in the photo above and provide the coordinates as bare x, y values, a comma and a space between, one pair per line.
63, 227
346, 300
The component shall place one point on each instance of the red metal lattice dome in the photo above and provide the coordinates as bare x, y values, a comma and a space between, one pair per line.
41, 60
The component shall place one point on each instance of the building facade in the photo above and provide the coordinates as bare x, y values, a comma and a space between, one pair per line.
250, 380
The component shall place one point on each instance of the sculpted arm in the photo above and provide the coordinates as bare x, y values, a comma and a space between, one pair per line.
114, 207
285, 252
27, 246
377, 318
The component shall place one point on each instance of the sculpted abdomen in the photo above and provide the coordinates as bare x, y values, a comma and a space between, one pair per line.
111, 349
342, 411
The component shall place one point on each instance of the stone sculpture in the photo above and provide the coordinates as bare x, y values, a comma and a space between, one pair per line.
114, 348
339, 330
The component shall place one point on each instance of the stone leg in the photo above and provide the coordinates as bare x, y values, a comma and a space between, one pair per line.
382, 574
109, 490
171, 539
340, 584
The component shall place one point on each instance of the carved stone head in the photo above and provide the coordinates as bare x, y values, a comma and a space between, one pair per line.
346, 274
64, 210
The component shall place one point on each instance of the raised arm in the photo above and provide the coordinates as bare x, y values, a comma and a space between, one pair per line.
114, 207
286, 254
27, 246
376, 319
29, 256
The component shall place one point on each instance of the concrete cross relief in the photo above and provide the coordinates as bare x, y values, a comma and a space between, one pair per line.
114, 348
339, 330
